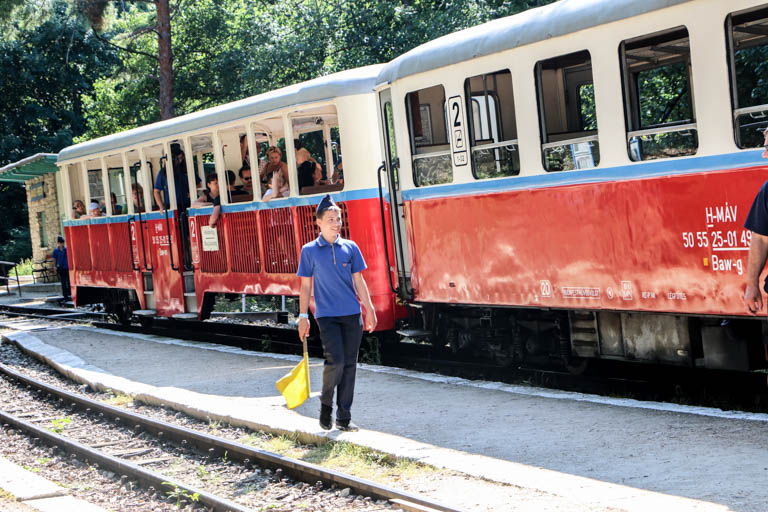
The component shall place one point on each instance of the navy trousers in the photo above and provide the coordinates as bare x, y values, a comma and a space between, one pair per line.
341, 337
64, 278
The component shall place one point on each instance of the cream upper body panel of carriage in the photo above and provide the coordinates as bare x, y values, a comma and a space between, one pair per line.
333, 107
519, 43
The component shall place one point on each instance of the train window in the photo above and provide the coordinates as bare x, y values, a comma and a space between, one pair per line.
567, 112
429, 145
748, 51
117, 191
76, 191
202, 162
316, 133
658, 98
96, 187
138, 182
492, 127
247, 175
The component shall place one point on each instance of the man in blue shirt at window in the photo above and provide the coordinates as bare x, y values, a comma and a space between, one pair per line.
179, 166
331, 267
62, 267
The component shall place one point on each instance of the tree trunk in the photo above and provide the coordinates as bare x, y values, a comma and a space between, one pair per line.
165, 58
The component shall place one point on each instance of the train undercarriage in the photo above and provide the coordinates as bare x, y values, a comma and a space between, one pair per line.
573, 337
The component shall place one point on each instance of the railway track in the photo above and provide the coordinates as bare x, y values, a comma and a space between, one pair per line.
150, 452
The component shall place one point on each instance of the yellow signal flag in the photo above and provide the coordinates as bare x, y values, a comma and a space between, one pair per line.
295, 385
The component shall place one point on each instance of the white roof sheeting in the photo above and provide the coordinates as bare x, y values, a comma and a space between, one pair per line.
553, 20
345, 83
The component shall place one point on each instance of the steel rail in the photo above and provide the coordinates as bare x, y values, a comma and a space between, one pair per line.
207, 444
145, 477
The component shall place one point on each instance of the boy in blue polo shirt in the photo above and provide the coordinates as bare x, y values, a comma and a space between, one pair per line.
332, 266
62, 267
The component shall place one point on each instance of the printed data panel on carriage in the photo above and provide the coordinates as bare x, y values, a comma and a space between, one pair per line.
672, 244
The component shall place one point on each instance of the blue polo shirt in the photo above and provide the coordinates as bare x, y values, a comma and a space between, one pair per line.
757, 219
60, 255
332, 266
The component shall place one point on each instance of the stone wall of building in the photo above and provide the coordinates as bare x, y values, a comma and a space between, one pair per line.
43, 205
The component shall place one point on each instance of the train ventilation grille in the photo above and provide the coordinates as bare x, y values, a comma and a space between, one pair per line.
584, 335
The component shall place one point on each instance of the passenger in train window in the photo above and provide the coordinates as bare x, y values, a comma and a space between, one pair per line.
333, 266
338, 167
236, 193
116, 208
94, 210
138, 198
757, 223
78, 209
179, 165
247, 179
245, 156
305, 167
276, 175
210, 196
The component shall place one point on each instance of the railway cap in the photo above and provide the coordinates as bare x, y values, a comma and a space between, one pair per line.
325, 204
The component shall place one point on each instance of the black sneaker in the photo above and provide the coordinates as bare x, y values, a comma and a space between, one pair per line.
325, 417
346, 426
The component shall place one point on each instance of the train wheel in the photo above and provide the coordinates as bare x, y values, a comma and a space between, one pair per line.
577, 365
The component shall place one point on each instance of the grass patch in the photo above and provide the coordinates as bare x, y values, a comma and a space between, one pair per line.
347, 457
7, 496
118, 399
24, 268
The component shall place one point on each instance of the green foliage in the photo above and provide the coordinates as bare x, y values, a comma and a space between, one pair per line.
47, 67
231, 49
24, 268
179, 494
59, 424
664, 95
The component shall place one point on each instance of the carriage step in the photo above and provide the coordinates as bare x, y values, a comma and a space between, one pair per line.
145, 312
415, 333
185, 316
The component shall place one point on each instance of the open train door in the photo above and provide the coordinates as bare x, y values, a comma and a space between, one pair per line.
389, 188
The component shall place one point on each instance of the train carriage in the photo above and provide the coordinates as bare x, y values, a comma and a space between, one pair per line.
573, 181
162, 259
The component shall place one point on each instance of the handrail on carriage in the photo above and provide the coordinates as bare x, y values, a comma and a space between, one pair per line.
9, 279
383, 168
566, 142
494, 145
418, 156
750, 110
170, 243
663, 129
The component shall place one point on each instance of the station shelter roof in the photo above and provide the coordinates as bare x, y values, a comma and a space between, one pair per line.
29, 168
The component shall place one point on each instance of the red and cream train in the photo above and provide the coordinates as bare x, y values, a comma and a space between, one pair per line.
568, 182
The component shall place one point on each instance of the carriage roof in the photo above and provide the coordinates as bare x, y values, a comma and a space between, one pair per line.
553, 20
345, 83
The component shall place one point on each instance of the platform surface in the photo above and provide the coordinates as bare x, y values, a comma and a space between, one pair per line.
617, 453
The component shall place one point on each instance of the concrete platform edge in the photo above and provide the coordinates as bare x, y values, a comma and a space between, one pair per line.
38, 492
576, 488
